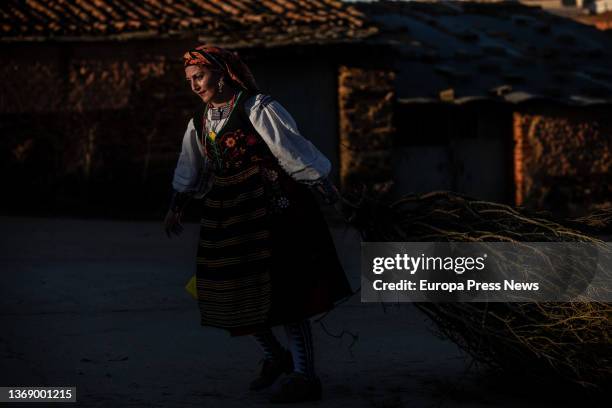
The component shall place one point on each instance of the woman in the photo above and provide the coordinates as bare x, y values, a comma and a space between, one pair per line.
265, 256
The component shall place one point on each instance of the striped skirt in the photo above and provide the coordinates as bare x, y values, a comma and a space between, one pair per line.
233, 261
260, 265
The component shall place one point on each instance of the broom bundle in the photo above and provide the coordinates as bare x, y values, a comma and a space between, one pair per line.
553, 341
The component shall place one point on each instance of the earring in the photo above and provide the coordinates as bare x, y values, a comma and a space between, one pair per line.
220, 85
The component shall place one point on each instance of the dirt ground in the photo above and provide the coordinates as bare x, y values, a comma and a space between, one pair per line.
100, 305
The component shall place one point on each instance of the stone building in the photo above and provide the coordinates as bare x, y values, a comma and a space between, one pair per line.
500, 101
94, 104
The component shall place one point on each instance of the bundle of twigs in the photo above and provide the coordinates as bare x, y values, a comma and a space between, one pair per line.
599, 220
568, 341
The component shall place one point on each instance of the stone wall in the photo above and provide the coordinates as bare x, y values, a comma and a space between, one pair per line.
365, 99
88, 130
94, 129
67, 79
563, 158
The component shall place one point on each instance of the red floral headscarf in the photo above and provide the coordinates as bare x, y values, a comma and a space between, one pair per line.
224, 60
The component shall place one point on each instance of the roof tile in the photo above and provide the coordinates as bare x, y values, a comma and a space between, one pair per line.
538, 53
237, 20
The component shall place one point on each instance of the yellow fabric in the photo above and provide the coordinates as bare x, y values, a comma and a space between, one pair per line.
190, 287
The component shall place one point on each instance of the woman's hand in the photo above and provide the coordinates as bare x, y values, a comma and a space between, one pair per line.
328, 191
172, 223
331, 196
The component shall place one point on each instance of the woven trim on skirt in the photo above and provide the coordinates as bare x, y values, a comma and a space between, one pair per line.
233, 263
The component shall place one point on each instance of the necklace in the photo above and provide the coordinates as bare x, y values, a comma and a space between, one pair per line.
220, 112
217, 114
214, 125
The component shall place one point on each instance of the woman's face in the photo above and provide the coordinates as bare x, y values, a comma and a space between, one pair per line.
203, 81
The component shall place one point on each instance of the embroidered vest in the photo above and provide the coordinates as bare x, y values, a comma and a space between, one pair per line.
237, 145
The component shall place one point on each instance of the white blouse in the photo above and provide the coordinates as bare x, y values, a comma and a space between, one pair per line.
296, 155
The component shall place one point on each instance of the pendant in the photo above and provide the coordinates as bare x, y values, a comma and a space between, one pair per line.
212, 135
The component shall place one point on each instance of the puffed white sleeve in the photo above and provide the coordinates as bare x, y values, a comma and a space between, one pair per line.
187, 174
296, 154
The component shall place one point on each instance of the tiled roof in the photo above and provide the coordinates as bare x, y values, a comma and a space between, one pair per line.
602, 21
224, 22
502, 51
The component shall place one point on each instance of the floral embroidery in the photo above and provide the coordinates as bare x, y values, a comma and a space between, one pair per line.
277, 199
270, 174
232, 150
282, 202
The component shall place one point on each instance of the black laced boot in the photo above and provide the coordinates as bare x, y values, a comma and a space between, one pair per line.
272, 369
